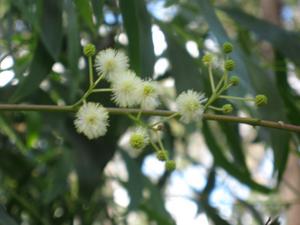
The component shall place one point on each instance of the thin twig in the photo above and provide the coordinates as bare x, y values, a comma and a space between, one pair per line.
165, 113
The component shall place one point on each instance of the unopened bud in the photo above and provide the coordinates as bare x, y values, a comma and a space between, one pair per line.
227, 108
227, 47
89, 50
229, 65
261, 100
162, 155
234, 80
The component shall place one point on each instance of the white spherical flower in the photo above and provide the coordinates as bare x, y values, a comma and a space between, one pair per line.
125, 89
139, 139
189, 105
148, 95
111, 62
92, 120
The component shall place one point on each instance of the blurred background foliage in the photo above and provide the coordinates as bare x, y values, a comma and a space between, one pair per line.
228, 173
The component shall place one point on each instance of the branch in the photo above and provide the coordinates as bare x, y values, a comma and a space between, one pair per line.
165, 113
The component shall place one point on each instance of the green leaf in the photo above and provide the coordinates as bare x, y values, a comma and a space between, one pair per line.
183, 67
73, 47
98, 10
228, 166
51, 24
5, 219
284, 41
213, 214
262, 82
233, 138
39, 69
86, 13
137, 24
137, 183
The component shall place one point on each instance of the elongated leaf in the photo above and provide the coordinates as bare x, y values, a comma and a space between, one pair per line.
86, 13
138, 28
228, 166
284, 41
183, 67
154, 205
73, 47
291, 100
40, 67
51, 33
261, 82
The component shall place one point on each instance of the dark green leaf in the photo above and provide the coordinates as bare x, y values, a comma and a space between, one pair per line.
85, 10
183, 67
40, 67
51, 33
137, 24
228, 166
284, 41
154, 205
73, 47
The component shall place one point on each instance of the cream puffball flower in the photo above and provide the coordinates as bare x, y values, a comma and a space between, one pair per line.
139, 139
148, 95
125, 89
91, 120
110, 63
189, 105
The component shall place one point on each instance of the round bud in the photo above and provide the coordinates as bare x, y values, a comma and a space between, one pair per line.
138, 141
162, 155
261, 100
89, 50
207, 59
229, 65
227, 47
234, 80
227, 108
170, 165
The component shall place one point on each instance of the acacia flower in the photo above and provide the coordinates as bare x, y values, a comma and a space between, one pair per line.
148, 95
189, 105
91, 120
111, 62
125, 89
139, 139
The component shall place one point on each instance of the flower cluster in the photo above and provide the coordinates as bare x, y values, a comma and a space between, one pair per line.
129, 90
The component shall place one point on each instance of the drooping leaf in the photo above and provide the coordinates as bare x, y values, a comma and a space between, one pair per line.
39, 69
51, 24
250, 71
154, 205
183, 67
228, 166
137, 24
86, 13
73, 47
286, 42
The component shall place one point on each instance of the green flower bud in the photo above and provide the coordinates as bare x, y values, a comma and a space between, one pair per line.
89, 50
227, 47
234, 80
261, 100
170, 165
227, 108
139, 139
207, 59
229, 65
162, 155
